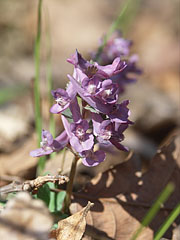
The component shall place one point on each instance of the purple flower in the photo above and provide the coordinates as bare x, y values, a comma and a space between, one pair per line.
63, 99
115, 47
92, 69
49, 145
128, 75
79, 139
91, 86
92, 101
91, 158
120, 113
108, 93
107, 131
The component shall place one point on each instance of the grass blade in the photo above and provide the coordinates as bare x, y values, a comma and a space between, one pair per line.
49, 74
37, 98
123, 17
38, 120
154, 209
171, 218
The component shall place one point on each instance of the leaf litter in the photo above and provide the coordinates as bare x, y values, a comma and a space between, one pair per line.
122, 195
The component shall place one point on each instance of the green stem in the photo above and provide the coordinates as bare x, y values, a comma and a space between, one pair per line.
67, 200
171, 218
38, 118
112, 28
49, 74
154, 209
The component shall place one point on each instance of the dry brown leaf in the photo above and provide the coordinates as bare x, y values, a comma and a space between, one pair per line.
122, 196
73, 227
176, 233
25, 219
19, 162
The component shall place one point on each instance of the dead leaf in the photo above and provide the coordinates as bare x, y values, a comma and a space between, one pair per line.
19, 162
25, 219
122, 195
73, 227
176, 233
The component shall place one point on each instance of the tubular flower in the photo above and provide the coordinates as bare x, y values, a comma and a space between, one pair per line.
63, 99
90, 108
91, 158
49, 145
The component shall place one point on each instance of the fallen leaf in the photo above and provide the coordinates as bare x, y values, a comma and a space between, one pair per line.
123, 195
73, 227
176, 233
19, 162
25, 219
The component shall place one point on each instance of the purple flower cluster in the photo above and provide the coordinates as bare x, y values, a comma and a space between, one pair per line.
90, 108
117, 46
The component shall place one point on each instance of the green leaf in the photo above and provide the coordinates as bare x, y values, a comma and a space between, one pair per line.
67, 113
91, 109
55, 226
44, 194
52, 203
59, 200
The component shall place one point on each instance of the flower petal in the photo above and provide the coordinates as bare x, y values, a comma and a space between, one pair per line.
40, 152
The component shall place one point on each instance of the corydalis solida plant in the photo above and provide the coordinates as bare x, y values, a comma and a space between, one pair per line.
89, 106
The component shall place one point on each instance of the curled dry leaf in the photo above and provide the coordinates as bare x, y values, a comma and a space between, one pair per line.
73, 227
25, 219
123, 195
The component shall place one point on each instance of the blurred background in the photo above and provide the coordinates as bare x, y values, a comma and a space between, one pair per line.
153, 26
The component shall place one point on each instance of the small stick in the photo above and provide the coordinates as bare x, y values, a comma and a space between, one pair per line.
33, 185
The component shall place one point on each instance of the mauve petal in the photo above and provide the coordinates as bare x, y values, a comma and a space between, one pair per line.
40, 152
96, 119
75, 109
59, 92
85, 125
89, 162
88, 143
118, 145
121, 114
114, 68
47, 137
91, 101
81, 91
56, 108
66, 126
63, 138
71, 91
93, 159
100, 156
77, 60
106, 83
57, 145
79, 75
75, 143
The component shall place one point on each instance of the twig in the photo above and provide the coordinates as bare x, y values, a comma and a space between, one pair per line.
33, 185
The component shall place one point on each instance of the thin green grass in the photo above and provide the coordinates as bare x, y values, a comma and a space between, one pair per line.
37, 98
122, 21
171, 218
52, 127
154, 209
49, 73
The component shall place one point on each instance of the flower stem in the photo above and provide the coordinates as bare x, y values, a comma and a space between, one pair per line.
67, 200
